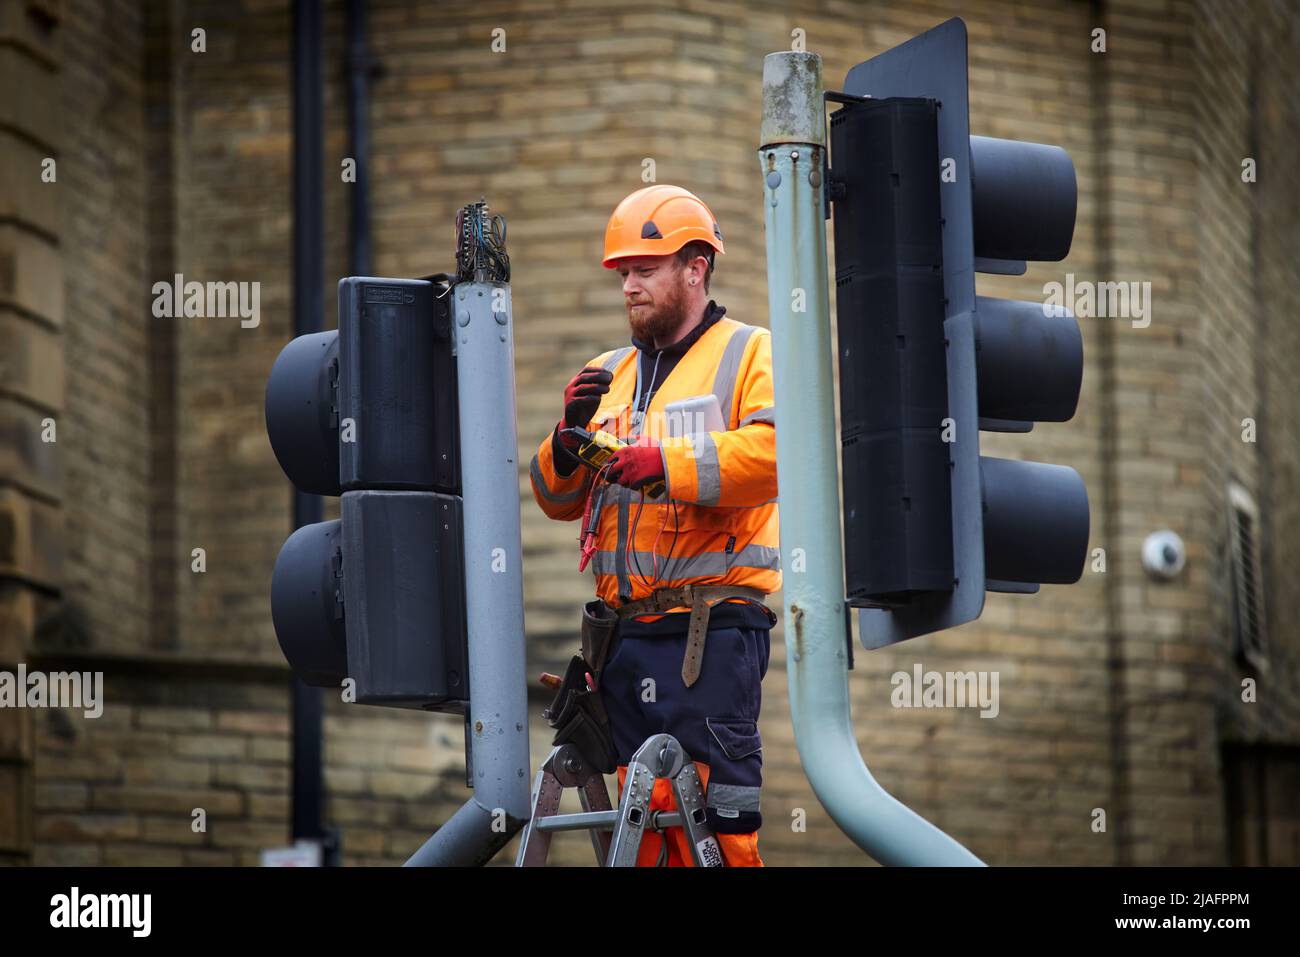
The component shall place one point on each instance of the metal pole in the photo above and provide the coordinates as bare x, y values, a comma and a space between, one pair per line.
793, 137
494, 585
308, 283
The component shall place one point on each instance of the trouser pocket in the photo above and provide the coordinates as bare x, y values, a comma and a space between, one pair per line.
735, 775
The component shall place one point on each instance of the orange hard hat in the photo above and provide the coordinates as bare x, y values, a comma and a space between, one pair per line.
658, 221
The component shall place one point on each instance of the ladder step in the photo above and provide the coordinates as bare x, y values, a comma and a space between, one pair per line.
659, 821
578, 822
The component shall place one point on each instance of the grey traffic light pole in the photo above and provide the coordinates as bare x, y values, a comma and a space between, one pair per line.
494, 589
793, 137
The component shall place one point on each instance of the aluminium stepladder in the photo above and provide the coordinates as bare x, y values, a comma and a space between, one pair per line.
661, 756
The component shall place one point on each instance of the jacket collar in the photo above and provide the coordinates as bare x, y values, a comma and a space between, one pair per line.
712, 313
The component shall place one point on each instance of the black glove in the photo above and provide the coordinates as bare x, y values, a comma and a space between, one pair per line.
582, 397
581, 400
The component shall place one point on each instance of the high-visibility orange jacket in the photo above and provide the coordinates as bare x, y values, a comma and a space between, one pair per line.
723, 483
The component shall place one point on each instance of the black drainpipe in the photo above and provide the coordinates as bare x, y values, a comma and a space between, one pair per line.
308, 284
360, 71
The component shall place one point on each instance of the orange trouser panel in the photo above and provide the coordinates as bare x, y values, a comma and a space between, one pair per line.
738, 850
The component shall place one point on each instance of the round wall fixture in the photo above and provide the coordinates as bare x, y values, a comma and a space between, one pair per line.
1163, 555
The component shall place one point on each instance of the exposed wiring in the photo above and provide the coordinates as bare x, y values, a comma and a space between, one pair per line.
445, 280
638, 405
481, 245
654, 548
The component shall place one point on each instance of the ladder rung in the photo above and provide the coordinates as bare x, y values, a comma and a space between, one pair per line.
578, 822
602, 819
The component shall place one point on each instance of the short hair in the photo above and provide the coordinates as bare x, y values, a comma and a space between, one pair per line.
697, 247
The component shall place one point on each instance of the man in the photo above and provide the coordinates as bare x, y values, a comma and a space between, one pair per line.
689, 663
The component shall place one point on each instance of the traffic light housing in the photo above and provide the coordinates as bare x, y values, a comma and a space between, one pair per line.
369, 412
920, 206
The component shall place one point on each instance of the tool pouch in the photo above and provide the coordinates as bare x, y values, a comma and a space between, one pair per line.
599, 623
579, 718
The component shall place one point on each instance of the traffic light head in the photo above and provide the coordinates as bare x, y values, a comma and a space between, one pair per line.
369, 412
925, 363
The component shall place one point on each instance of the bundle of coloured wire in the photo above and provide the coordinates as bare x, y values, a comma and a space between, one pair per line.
481, 245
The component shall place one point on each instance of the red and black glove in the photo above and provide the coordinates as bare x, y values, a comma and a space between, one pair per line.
581, 400
636, 465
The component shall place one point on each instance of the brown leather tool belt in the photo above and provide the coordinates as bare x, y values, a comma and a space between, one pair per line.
698, 599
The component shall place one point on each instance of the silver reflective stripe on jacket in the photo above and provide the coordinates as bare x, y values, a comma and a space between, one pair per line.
539, 480
615, 357
708, 473
620, 557
704, 565
724, 381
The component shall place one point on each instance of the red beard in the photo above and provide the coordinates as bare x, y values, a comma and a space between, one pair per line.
660, 320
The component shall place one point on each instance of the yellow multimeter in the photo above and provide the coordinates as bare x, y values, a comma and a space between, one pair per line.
597, 448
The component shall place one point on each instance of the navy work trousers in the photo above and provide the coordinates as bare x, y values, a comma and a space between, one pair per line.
716, 719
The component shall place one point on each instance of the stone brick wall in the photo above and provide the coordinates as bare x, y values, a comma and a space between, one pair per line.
1116, 693
32, 325
1249, 290
1169, 659
1277, 351
127, 788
